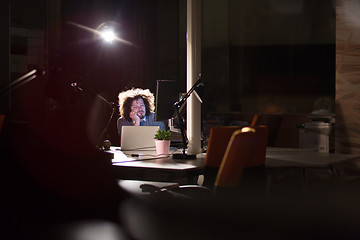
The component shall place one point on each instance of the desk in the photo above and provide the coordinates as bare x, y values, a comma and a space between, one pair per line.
291, 167
299, 157
149, 167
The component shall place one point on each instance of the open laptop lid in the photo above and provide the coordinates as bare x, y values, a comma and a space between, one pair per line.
138, 137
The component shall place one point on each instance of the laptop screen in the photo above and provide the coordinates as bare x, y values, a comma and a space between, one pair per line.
138, 137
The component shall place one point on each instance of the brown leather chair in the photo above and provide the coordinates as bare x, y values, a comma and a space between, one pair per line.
241, 169
246, 149
218, 141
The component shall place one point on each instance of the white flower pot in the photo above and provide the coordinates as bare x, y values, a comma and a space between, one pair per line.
162, 147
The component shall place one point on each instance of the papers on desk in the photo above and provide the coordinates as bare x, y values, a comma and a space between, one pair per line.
146, 159
128, 156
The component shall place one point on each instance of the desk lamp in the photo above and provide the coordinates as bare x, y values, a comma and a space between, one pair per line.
109, 33
101, 142
177, 106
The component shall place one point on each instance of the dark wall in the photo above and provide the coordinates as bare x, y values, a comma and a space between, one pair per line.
110, 68
255, 57
268, 56
4, 55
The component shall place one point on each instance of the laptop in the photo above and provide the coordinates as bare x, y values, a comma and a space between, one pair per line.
138, 137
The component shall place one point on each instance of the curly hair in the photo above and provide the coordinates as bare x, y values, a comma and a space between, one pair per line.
127, 97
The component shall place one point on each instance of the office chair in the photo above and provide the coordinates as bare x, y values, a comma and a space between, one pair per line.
218, 141
241, 169
243, 165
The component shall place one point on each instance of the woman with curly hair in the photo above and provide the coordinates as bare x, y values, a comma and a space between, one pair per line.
136, 107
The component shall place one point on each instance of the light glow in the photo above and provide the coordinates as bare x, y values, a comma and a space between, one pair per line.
103, 31
108, 35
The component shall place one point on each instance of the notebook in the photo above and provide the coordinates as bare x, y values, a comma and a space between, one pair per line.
138, 137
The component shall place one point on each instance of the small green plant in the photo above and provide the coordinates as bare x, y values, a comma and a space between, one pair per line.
162, 135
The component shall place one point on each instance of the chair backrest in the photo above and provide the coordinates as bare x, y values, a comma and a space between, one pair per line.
218, 141
261, 138
245, 149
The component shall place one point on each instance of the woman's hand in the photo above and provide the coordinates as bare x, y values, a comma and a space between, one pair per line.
135, 118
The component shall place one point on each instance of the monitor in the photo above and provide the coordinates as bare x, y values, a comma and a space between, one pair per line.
167, 93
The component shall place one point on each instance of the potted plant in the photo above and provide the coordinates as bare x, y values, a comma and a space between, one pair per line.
162, 142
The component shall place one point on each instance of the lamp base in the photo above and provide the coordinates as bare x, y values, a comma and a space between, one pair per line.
183, 156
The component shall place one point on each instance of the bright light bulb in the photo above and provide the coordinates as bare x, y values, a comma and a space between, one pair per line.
108, 35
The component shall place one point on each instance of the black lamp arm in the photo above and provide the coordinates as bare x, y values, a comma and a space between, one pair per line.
182, 129
102, 135
187, 95
177, 106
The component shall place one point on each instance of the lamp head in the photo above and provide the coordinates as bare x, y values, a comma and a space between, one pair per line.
108, 31
108, 35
